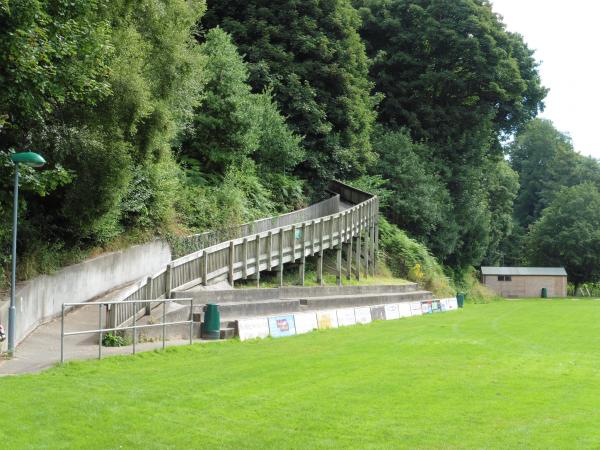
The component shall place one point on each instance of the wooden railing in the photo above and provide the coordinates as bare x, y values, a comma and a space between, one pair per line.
189, 244
243, 257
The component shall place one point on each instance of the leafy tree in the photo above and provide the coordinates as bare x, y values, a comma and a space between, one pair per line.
103, 89
568, 233
231, 123
51, 54
279, 149
419, 201
502, 187
459, 83
223, 129
546, 161
312, 57
449, 69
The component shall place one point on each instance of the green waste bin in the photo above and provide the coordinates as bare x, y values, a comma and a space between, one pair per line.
460, 299
211, 327
544, 292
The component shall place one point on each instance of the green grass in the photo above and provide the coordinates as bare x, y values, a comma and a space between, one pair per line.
509, 374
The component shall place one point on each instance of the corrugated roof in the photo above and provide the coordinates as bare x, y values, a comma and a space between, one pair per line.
525, 271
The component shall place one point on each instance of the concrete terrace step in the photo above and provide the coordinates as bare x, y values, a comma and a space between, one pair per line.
320, 291
342, 301
204, 296
229, 295
238, 310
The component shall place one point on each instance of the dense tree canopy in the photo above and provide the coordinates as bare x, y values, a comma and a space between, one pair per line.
310, 54
171, 116
460, 83
568, 233
450, 72
545, 160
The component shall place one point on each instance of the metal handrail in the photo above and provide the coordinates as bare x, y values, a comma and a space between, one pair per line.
101, 330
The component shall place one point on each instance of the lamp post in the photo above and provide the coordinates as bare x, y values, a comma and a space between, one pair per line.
33, 160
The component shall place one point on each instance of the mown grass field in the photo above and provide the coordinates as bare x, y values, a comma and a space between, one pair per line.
511, 374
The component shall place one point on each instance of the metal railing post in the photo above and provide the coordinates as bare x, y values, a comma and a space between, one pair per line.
62, 335
100, 331
257, 261
164, 326
281, 257
134, 326
191, 321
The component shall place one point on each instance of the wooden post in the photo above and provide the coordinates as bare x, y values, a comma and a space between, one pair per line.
330, 232
293, 243
269, 251
338, 276
245, 258
349, 249
204, 268
320, 269
373, 250
320, 259
231, 260
257, 261
349, 259
376, 233
312, 238
168, 281
358, 255
340, 217
149, 294
281, 257
367, 248
303, 255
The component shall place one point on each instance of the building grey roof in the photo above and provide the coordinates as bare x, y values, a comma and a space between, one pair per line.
525, 271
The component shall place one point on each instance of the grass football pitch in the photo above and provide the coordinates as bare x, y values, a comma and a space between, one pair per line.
510, 374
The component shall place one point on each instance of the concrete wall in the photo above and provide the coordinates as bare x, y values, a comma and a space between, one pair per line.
40, 299
527, 286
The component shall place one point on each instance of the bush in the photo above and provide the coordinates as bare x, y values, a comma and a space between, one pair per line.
468, 282
114, 340
409, 259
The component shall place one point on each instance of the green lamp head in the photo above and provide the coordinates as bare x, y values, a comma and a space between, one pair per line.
28, 158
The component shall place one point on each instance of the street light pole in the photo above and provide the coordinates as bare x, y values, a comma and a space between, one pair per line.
32, 160
12, 311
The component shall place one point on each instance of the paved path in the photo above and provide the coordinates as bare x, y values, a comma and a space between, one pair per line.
41, 349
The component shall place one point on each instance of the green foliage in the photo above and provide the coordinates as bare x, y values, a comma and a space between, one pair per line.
238, 197
459, 83
409, 259
467, 282
279, 150
312, 57
103, 90
51, 54
231, 123
419, 202
449, 68
545, 161
114, 340
502, 186
223, 131
568, 233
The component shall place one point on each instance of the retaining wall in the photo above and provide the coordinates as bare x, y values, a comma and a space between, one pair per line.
39, 300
